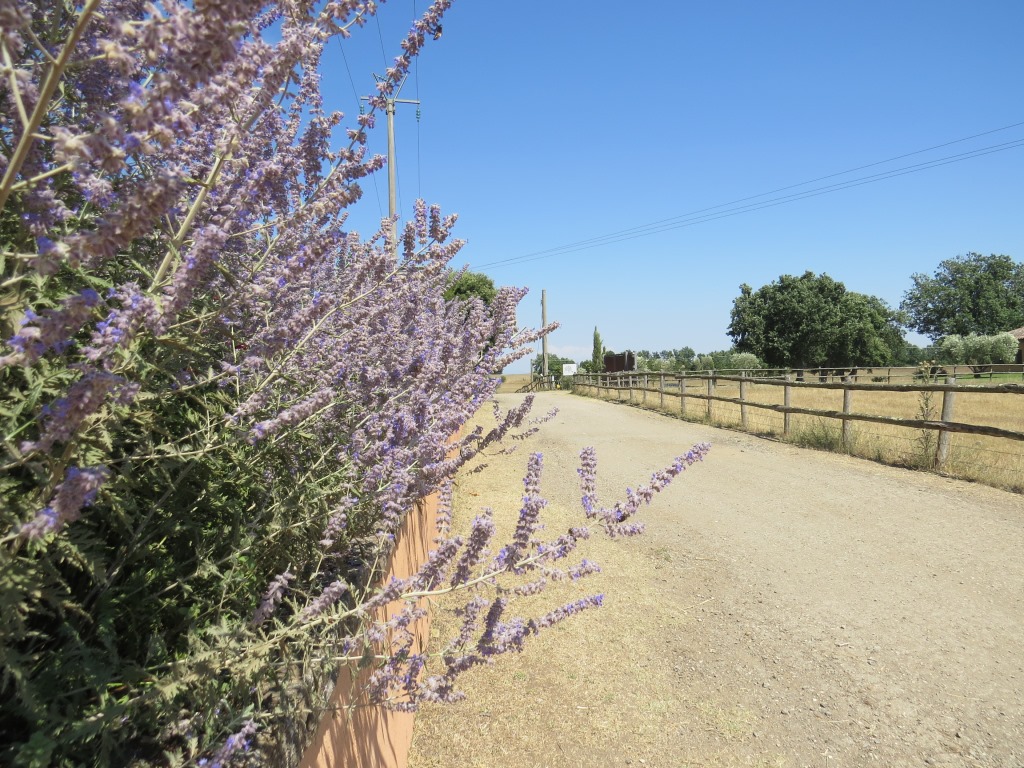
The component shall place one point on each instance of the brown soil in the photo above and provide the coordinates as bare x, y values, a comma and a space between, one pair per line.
786, 607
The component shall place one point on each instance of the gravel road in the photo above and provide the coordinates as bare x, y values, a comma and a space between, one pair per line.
786, 607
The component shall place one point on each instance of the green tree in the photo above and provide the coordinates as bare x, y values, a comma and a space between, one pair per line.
746, 360
682, 359
555, 364
978, 350
597, 357
967, 294
911, 354
812, 321
468, 285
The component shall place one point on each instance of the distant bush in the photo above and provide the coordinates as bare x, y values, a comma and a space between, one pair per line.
745, 360
978, 350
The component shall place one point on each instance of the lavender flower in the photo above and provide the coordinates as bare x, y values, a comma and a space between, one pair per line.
121, 325
189, 162
336, 525
476, 548
51, 330
588, 480
444, 509
271, 598
433, 571
564, 612
529, 514
325, 600
614, 518
62, 419
78, 490
293, 415
240, 741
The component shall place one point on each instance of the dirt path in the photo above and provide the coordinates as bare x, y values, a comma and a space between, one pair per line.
785, 608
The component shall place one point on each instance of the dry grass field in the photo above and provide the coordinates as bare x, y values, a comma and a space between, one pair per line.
511, 382
994, 461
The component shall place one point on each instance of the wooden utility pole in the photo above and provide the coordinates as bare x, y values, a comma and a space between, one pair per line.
543, 324
389, 109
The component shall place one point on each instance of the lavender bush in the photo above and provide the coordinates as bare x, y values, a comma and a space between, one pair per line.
218, 402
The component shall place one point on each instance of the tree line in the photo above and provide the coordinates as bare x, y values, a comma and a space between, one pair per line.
814, 321
966, 308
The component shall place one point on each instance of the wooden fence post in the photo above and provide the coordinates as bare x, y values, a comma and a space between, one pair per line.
711, 392
942, 451
661, 389
847, 438
643, 400
743, 401
786, 397
682, 394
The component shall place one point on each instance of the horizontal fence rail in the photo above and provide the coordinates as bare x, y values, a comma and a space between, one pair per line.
885, 374
540, 384
702, 386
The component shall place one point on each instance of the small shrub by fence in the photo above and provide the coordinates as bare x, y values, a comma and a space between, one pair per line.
970, 431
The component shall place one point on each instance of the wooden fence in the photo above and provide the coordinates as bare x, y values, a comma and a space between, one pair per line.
877, 374
540, 384
355, 733
638, 386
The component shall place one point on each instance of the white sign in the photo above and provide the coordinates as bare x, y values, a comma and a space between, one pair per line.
569, 369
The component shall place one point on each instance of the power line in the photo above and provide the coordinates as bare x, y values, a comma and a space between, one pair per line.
416, 70
355, 92
396, 188
705, 214
759, 206
380, 36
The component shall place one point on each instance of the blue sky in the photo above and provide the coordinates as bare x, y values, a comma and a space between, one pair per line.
551, 123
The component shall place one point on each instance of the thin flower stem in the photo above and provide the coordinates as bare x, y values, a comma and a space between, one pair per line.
43, 104
175, 246
39, 44
9, 66
41, 176
274, 374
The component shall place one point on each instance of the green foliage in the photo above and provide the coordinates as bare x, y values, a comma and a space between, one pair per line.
923, 456
555, 364
597, 356
911, 354
823, 434
468, 285
140, 608
975, 349
746, 360
674, 360
811, 321
725, 359
968, 294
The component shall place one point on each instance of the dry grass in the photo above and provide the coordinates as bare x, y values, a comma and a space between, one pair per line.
994, 461
513, 381
574, 706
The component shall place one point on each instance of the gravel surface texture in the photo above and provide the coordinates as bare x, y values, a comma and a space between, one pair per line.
786, 607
